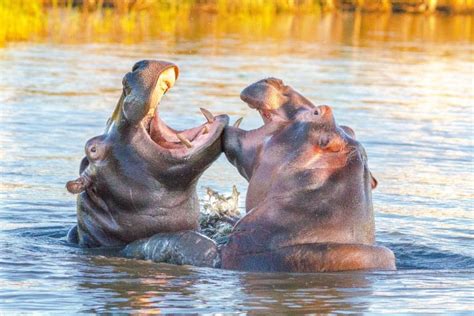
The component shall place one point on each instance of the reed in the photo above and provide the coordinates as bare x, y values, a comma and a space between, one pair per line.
21, 19
111, 19
244, 7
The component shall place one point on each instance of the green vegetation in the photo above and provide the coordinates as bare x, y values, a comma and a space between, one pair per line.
130, 20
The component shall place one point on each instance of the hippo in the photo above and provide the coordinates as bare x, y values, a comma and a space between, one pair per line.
309, 203
139, 178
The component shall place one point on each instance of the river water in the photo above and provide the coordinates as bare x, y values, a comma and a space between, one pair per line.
405, 85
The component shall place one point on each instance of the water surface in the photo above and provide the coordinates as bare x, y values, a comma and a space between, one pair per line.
405, 84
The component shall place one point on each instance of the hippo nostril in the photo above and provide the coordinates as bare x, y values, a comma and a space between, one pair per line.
316, 112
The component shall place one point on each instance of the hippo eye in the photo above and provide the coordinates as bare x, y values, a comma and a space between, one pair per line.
316, 112
93, 149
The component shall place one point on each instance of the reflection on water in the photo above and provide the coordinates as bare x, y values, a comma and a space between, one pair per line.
404, 83
343, 27
147, 287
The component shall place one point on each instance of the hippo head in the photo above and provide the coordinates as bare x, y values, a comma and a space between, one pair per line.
274, 100
309, 203
312, 167
279, 105
139, 177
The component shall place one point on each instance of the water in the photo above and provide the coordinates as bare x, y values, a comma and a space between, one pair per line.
407, 93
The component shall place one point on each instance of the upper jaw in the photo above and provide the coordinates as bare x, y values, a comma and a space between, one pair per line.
267, 113
179, 143
268, 97
143, 89
164, 82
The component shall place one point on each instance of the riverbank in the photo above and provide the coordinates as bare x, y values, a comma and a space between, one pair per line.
130, 20
273, 6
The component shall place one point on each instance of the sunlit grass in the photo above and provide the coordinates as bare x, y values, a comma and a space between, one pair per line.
131, 21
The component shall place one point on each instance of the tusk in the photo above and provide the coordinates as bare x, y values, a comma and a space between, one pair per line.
205, 129
184, 141
208, 115
237, 123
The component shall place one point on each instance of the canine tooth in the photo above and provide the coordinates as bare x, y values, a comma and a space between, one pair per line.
237, 123
208, 115
205, 129
184, 140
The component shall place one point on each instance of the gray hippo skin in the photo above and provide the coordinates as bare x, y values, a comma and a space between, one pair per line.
139, 178
187, 247
309, 202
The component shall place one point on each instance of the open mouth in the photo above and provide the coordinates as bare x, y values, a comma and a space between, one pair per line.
267, 97
186, 140
168, 138
267, 114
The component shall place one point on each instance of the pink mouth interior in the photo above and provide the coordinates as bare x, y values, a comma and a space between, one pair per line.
167, 138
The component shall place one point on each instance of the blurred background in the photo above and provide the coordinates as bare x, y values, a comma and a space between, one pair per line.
132, 21
400, 73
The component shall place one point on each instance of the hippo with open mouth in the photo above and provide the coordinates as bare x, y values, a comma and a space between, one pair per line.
139, 178
309, 202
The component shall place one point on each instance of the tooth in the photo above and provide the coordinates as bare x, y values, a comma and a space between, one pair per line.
237, 123
184, 140
205, 129
208, 115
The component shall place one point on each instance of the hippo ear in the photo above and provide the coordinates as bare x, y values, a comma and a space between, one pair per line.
78, 185
349, 131
373, 181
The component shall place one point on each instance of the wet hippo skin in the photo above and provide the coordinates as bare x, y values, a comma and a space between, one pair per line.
187, 247
309, 203
139, 177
